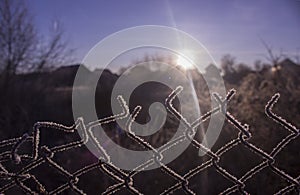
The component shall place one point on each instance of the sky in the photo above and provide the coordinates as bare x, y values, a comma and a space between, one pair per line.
233, 27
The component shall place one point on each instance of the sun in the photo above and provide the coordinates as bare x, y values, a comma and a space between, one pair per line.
184, 63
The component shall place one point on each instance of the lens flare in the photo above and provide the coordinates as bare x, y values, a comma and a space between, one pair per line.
184, 63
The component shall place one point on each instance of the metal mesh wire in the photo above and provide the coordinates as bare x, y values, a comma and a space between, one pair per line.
44, 155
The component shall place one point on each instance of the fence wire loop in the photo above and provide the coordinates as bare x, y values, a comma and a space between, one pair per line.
42, 154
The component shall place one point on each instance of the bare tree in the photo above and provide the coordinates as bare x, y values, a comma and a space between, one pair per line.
227, 64
273, 58
22, 48
257, 65
17, 36
297, 56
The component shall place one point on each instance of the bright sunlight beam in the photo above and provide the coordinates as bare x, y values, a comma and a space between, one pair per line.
184, 63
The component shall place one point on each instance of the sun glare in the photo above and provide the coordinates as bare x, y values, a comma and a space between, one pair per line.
184, 63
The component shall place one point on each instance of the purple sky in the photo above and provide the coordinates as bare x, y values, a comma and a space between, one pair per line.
231, 26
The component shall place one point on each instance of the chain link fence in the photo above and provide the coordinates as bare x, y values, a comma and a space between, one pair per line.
41, 155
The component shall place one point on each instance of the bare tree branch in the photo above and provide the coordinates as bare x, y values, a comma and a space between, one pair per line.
22, 49
272, 57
